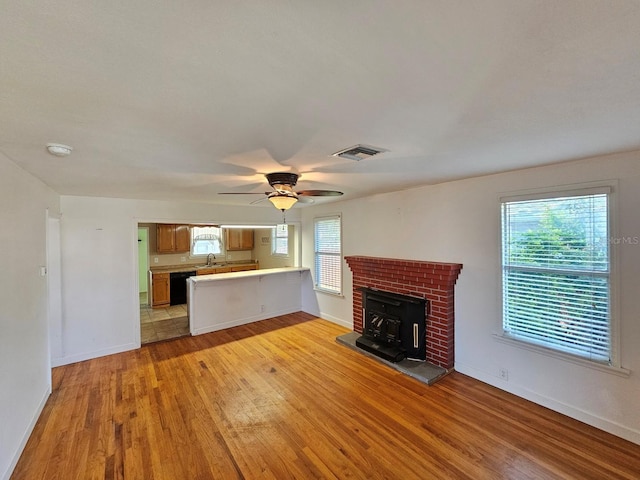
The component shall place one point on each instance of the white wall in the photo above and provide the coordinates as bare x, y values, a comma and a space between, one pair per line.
100, 266
263, 247
460, 222
25, 378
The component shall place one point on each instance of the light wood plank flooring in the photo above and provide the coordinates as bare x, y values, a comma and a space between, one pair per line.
280, 399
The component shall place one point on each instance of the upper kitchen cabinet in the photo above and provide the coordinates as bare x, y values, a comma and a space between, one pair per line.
172, 238
239, 239
183, 238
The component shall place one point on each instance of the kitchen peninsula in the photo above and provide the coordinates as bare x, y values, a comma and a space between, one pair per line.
168, 283
224, 300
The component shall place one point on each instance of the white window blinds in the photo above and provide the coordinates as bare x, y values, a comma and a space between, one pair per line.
556, 273
328, 254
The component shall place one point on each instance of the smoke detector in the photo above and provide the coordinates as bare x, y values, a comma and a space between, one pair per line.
359, 152
59, 150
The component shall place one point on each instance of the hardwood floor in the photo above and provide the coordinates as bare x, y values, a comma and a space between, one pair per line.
281, 399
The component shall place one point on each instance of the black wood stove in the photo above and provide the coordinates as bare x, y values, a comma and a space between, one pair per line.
394, 325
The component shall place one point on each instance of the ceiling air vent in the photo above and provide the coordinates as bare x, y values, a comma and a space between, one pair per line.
358, 152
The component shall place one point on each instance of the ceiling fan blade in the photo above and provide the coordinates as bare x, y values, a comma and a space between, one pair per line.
258, 200
319, 193
243, 193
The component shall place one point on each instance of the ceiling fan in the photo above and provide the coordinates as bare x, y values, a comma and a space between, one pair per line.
283, 196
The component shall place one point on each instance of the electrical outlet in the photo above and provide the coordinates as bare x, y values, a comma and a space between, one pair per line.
183, 259
155, 259
504, 374
262, 308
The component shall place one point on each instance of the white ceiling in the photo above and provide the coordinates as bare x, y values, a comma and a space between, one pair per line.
181, 100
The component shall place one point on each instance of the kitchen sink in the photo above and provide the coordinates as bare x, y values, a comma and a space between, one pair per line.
213, 265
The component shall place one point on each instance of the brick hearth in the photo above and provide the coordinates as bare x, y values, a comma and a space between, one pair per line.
434, 281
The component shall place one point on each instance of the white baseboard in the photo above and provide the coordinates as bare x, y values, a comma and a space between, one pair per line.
345, 323
243, 321
576, 413
27, 434
80, 357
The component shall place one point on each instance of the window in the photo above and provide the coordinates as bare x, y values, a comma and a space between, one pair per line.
556, 272
328, 254
206, 240
280, 240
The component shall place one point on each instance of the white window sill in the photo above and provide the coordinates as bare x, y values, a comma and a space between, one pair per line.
619, 371
328, 292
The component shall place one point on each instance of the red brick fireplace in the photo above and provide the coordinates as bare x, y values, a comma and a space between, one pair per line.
434, 281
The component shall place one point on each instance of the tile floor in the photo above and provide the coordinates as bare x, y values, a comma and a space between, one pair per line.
162, 323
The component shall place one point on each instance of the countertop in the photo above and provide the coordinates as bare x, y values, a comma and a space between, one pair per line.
194, 268
249, 273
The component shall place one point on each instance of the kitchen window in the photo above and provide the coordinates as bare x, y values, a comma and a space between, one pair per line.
556, 272
280, 240
328, 254
206, 240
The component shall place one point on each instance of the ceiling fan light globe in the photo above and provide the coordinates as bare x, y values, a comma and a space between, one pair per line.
283, 202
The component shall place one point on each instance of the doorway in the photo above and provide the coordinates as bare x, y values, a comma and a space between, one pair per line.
143, 265
159, 323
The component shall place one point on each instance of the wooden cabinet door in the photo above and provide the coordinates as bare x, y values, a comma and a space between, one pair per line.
247, 239
166, 238
173, 238
206, 271
232, 239
183, 238
160, 294
212, 270
239, 239
244, 268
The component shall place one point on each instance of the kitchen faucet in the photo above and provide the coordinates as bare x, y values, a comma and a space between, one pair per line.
209, 259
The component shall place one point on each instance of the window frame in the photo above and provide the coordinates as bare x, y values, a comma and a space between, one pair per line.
274, 242
317, 281
608, 188
223, 251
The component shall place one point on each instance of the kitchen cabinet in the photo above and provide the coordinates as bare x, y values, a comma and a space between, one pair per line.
244, 268
172, 238
227, 269
160, 293
166, 238
239, 239
212, 270
183, 238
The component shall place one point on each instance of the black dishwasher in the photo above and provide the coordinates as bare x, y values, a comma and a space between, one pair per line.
178, 287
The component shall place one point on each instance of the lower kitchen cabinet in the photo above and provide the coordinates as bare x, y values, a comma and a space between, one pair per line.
160, 293
212, 270
244, 268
